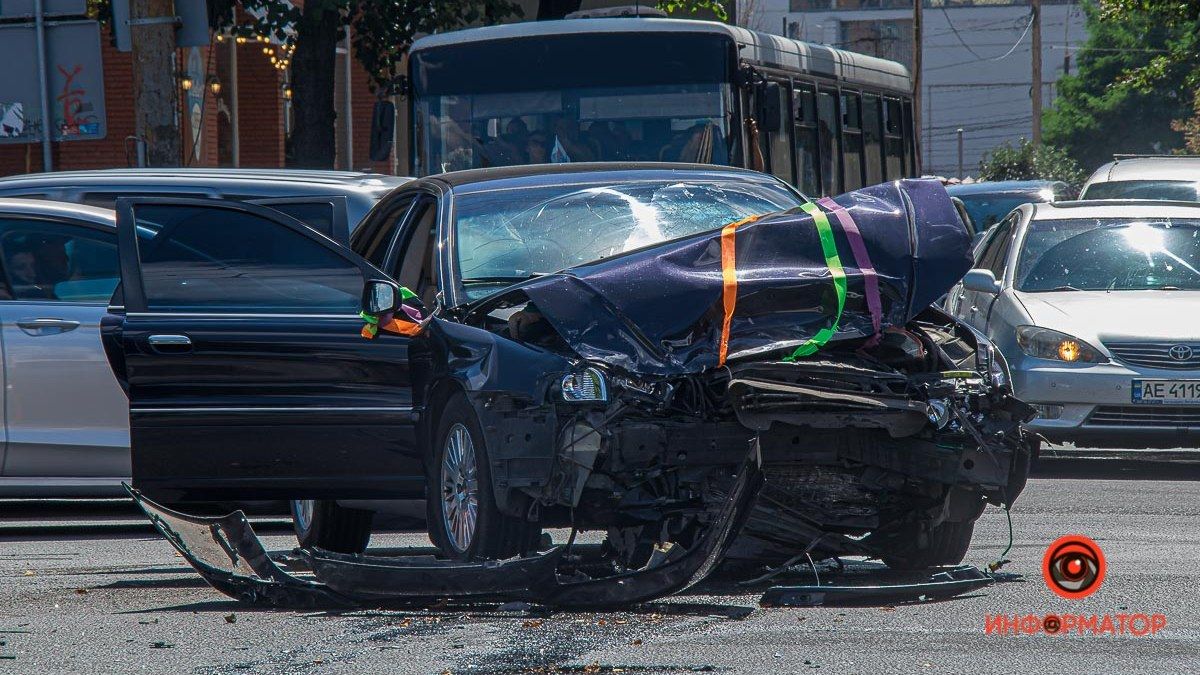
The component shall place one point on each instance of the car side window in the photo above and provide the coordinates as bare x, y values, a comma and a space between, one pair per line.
213, 259
1002, 245
415, 266
993, 254
373, 239
46, 260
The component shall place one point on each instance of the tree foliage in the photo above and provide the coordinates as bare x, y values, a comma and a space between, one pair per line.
1027, 161
1133, 74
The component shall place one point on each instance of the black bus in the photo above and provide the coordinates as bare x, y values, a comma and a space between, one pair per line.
646, 89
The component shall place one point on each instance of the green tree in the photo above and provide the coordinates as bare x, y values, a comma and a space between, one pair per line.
1029, 162
1133, 74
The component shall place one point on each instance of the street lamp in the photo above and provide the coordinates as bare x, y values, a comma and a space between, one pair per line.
185, 82
214, 85
287, 92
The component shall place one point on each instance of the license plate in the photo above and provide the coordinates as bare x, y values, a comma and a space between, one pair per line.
1165, 391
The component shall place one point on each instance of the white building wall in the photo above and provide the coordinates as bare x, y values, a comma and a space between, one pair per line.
986, 93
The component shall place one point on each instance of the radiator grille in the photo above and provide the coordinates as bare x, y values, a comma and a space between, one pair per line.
1172, 355
1146, 416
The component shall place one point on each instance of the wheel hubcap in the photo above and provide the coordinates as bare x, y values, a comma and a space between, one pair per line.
460, 488
302, 513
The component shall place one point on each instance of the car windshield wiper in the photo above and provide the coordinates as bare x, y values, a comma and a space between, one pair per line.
1065, 288
503, 280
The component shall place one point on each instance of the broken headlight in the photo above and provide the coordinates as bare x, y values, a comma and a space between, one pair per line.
585, 386
991, 362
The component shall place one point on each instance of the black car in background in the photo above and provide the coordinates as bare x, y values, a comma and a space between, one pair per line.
593, 345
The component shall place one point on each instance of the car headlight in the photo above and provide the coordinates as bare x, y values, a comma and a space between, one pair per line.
584, 386
1044, 343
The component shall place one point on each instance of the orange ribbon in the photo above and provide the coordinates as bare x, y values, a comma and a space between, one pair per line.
729, 282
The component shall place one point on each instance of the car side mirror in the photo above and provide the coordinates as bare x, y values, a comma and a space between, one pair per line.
380, 296
981, 280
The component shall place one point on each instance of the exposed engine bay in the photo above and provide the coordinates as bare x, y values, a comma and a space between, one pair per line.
874, 450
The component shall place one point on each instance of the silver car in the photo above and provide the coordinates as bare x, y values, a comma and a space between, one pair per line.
1096, 307
1170, 177
66, 426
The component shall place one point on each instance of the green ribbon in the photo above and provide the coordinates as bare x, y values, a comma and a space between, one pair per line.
834, 263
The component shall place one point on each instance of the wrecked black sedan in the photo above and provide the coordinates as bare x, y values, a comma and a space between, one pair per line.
594, 346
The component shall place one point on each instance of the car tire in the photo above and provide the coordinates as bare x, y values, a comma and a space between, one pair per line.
947, 545
321, 523
464, 521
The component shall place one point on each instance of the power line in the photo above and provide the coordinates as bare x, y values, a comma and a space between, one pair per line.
980, 59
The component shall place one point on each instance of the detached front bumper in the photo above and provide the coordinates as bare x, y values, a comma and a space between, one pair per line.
1093, 405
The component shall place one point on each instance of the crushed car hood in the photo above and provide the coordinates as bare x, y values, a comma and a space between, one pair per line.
763, 285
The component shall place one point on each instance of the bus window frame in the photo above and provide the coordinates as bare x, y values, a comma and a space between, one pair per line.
801, 87
854, 95
768, 136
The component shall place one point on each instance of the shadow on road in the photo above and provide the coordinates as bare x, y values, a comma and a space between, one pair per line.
1117, 466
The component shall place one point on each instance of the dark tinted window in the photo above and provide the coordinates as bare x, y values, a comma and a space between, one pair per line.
1175, 190
108, 200
51, 261
827, 130
317, 215
809, 179
995, 254
372, 239
225, 260
872, 137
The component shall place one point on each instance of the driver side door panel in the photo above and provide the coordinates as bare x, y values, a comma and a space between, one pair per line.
239, 348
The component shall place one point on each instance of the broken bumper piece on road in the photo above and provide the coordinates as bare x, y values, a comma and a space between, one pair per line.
231, 558
940, 586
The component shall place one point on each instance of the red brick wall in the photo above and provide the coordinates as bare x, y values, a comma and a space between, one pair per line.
260, 109
95, 154
260, 113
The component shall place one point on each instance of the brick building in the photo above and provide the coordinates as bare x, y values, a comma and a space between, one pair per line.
208, 117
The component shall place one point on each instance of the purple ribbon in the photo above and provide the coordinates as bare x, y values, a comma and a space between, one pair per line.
862, 260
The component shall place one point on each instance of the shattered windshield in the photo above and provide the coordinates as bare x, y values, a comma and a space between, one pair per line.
1093, 254
508, 235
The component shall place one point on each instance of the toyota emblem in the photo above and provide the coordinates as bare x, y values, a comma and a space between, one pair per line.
1180, 353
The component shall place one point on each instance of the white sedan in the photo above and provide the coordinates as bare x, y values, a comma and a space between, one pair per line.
1096, 307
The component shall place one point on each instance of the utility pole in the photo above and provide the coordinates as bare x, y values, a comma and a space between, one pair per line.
44, 87
918, 48
1036, 91
960, 153
156, 98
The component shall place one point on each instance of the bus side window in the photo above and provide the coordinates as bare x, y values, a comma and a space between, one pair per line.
809, 179
779, 142
872, 156
827, 139
852, 141
910, 138
893, 139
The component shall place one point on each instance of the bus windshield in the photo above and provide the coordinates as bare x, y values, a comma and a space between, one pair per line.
577, 98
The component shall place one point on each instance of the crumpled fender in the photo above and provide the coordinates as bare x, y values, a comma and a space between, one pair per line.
228, 554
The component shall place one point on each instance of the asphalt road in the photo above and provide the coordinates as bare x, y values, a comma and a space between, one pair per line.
87, 587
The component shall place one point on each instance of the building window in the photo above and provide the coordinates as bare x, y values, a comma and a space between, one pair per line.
891, 39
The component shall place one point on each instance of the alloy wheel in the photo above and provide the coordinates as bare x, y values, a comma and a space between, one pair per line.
460, 488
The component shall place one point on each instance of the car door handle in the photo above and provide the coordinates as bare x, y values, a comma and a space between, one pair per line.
170, 343
46, 326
